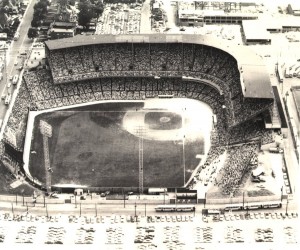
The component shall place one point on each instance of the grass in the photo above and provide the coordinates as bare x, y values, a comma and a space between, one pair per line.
90, 147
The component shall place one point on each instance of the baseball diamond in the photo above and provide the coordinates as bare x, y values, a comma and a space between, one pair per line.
100, 148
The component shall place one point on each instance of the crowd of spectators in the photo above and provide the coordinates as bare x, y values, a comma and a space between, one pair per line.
159, 60
238, 162
249, 131
45, 94
213, 162
16, 124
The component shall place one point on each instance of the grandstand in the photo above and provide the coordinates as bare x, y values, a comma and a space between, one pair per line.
139, 67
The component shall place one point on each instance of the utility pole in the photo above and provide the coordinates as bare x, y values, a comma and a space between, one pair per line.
286, 208
46, 131
140, 131
12, 209
135, 211
124, 197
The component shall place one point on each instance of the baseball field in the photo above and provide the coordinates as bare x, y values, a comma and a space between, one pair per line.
92, 146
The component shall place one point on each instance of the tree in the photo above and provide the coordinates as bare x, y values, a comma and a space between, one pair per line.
72, 2
62, 2
98, 9
40, 8
32, 33
40, 11
85, 13
8, 31
5, 3
35, 22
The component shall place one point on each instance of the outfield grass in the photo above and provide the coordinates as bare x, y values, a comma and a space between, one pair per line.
91, 148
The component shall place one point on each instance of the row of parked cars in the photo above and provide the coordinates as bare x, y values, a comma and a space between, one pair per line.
170, 218
233, 235
264, 235
290, 235
250, 216
203, 234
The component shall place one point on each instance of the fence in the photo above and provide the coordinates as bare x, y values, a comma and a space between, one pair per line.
240, 199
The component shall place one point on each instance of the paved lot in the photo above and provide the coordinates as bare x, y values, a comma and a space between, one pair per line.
163, 231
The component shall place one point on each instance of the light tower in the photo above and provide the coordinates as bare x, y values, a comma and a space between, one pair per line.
140, 131
46, 131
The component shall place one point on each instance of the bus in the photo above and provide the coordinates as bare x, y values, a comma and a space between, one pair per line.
233, 207
279, 74
252, 205
175, 208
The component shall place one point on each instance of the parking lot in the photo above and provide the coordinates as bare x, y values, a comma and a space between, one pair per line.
119, 19
163, 231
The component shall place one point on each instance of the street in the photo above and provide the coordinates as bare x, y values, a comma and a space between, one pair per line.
23, 44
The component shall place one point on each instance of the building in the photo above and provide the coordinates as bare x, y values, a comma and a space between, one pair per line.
291, 24
60, 30
255, 33
3, 36
292, 101
198, 13
55, 33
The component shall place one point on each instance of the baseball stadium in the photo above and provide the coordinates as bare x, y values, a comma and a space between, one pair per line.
142, 111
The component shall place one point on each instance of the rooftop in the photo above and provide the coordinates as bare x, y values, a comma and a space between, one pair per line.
254, 30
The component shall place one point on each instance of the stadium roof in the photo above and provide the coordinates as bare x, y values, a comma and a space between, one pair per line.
255, 79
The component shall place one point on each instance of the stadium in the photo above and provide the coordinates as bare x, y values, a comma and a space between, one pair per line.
114, 103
